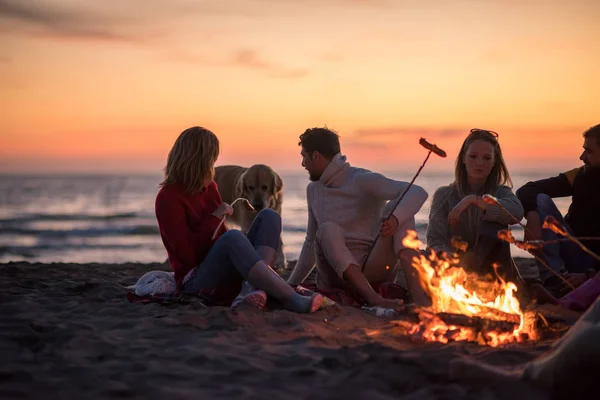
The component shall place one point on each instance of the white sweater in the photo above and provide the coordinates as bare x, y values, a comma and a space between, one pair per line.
354, 199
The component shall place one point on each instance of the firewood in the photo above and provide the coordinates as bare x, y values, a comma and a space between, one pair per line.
479, 324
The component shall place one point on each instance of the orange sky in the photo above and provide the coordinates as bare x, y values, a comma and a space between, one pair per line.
91, 86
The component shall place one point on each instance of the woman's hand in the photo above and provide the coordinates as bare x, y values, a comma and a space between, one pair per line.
222, 210
461, 207
389, 227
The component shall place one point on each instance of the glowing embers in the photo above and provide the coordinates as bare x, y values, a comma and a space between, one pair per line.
465, 306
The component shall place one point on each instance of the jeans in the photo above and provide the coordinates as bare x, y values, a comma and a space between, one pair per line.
488, 249
562, 257
234, 254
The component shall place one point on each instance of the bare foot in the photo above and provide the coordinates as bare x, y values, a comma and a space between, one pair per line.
387, 303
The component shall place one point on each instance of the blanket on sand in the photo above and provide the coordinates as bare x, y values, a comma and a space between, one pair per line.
160, 287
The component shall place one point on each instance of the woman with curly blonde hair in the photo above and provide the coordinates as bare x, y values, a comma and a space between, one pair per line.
189, 210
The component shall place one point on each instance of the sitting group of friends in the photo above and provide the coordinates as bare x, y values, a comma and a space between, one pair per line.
355, 234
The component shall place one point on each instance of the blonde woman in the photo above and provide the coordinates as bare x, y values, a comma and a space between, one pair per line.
458, 210
189, 210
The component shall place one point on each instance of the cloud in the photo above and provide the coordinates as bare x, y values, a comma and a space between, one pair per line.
36, 19
412, 131
336, 3
364, 145
250, 59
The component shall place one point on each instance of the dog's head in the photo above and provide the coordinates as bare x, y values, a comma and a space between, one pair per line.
261, 186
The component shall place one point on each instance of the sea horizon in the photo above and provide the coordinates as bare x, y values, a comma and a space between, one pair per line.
109, 218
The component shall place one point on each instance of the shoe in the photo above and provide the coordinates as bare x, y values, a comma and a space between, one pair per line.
250, 296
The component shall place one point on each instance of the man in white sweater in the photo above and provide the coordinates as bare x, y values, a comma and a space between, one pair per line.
346, 208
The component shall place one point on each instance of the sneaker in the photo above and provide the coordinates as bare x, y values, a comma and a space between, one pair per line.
250, 296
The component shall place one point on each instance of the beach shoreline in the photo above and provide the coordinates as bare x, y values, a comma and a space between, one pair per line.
68, 330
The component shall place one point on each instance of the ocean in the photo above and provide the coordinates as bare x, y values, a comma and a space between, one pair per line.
110, 218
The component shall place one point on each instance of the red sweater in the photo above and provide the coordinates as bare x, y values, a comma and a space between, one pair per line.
186, 225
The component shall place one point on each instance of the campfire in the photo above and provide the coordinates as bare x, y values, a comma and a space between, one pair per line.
465, 306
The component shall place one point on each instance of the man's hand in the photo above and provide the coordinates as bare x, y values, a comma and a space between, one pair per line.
388, 227
460, 208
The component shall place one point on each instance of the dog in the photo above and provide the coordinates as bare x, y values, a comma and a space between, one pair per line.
261, 186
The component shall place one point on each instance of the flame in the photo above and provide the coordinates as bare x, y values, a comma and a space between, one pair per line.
454, 291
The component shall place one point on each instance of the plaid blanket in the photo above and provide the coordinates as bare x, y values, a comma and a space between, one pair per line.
209, 297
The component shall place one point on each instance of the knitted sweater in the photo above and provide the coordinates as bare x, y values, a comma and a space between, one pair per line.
186, 225
439, 232
354, 199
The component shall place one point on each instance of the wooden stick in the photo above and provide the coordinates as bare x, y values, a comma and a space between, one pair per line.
489, 199
246, 204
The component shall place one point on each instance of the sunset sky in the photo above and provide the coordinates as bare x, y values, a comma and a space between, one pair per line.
106, 86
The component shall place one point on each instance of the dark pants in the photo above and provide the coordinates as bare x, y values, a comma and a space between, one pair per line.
489, 250
562, 257
234, 254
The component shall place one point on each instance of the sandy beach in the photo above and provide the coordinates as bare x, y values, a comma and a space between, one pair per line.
68, 331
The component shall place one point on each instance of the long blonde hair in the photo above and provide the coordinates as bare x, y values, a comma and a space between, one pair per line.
191, 159
498, 175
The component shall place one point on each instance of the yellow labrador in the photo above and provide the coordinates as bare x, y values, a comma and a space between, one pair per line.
259, 184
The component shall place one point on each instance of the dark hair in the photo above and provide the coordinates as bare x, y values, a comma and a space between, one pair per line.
498, 175
594, 132
323, 140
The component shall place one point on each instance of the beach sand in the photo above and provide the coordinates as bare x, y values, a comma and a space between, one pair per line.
68, 331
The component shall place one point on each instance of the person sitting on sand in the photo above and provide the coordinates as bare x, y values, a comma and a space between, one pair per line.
458, 210
582, 219
566, 371
345, 210
578, 299
189, 210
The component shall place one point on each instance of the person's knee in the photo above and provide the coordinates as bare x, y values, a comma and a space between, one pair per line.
545, 206
233, 237
270, 218
328, 230
490, 228
544, 202
408, 225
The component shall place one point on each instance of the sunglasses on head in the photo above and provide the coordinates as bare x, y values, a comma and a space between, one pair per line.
477, 130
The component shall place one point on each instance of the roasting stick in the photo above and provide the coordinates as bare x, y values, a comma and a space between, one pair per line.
432, 149
246, 204
489, 199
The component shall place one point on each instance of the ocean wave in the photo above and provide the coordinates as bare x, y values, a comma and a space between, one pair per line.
136, 230
35, 251
84, 232
70, 217
421, 227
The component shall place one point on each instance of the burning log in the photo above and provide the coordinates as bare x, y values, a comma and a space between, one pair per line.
495, 321
464, 305
479, 324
